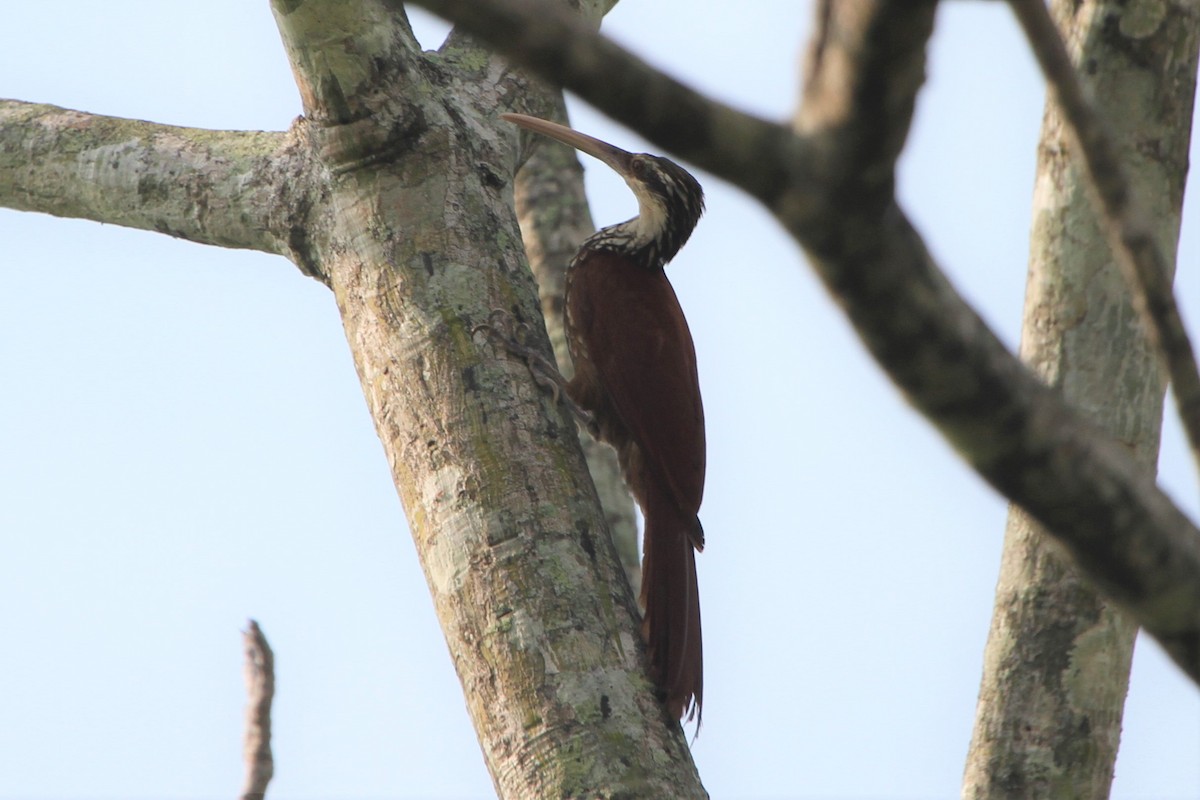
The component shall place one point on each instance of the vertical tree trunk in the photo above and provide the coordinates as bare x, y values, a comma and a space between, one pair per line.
1056, 666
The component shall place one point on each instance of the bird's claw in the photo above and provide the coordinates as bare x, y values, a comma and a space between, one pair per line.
499, 327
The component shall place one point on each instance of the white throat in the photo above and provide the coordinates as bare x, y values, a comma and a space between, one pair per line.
651, 220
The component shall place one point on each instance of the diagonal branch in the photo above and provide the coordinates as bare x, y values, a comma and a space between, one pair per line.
461, 41
226, 188
1124, 218
832, 189
563, 47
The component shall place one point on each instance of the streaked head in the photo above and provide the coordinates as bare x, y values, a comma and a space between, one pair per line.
670, 200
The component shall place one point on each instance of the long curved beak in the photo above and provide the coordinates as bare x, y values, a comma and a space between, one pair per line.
615, 157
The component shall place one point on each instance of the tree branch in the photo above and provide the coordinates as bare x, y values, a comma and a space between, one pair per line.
831, 187
1126, 221
226, 188
260, 686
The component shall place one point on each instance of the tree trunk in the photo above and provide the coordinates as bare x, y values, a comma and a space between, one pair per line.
422, 247
1056, 666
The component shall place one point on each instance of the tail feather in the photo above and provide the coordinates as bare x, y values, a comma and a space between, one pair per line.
671, 598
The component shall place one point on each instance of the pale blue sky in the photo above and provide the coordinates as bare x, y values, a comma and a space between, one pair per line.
183, 445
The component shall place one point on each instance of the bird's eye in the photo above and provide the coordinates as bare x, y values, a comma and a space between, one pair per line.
638, 165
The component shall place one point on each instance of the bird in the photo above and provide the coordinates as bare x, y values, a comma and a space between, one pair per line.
636, 380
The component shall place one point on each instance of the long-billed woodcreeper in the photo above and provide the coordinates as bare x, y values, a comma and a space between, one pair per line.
635, 372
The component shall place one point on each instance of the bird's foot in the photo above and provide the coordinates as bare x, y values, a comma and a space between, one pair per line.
500, 327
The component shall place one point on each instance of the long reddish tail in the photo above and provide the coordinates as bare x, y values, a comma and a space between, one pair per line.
671, 598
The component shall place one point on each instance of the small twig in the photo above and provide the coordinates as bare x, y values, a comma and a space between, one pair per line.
1123, 219
260, 685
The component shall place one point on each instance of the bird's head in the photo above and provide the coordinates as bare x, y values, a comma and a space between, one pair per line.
670, 200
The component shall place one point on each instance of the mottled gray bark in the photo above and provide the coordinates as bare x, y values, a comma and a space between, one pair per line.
1056, 667
246, 189
829, 180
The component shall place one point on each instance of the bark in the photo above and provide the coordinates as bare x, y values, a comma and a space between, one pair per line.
829, 182
554, 217
1056, 667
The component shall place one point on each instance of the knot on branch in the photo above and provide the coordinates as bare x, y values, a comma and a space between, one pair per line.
367, 141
